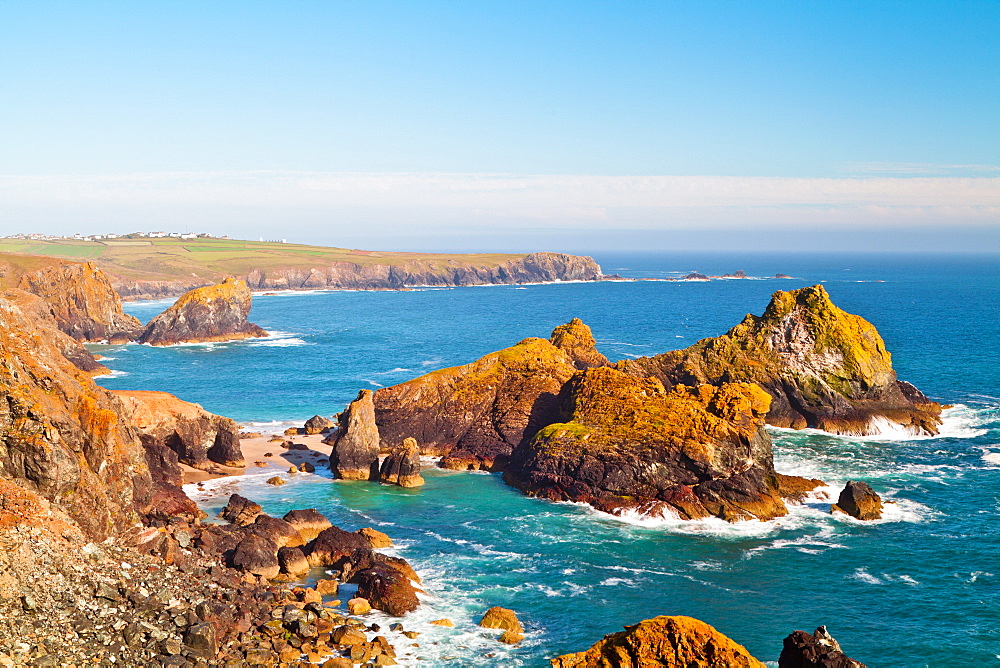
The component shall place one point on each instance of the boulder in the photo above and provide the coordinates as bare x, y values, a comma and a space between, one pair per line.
200, 439
317, 424
376, 537
631, 444
576, 340
817, 650
356, 446
292, 561
308, 522
212, 313
276, 480
402, 466
333, 544
240, 510
823, 367
387, 589
860, 501
278, 531
670, 642
501, 618
256, 555
359, 606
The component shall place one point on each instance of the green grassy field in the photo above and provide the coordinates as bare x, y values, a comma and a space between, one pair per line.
167, 259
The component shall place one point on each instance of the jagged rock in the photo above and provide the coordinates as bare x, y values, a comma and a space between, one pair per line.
308, 522
212, 313
167, 498
670, 642
82, 301
198, 437
317, 424
577, 341
631, 444
402, 466
333, 544
62, 435
201, 640
824, 368
356, 447
478, 413
387, 589
817, 650
292, 561
376, 537
860, 501
501, 618
240, 510
257, 555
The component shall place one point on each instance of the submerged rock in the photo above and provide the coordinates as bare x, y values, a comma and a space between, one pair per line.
402, 466
631, 444
824, 368
212, 313
860, 501
670, 642
356, 446
816, 650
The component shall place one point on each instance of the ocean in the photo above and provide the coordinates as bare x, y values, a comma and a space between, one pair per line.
920, 587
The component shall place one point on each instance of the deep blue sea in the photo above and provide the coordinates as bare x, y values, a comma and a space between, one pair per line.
919, 588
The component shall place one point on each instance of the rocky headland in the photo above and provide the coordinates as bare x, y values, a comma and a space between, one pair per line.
212, 313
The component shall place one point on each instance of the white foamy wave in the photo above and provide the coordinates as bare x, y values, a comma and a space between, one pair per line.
371, 382
863, 575
391, 371
112, 374
615, 582
959, 421
991, 457
279, 343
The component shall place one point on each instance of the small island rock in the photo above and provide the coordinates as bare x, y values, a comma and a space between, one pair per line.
402, 466
860, 501
212, 313
816, 650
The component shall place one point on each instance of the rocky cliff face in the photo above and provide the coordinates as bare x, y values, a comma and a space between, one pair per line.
63, 436
356, 441
625, 443
213, 313
198, 438
82, 301
478, 413
533, 268
824, 368
670, 642
576, 340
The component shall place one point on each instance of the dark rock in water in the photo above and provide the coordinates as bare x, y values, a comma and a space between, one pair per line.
356, 447
387, 589
668, 642
860, 501
199, 438
695, 276
576, 340
782, 276
309, 522
212, 313
240, 510
817, 650
630, 444
402, 466
823, 367
333, 544
84, 304
257, 555
478, 413
317, 424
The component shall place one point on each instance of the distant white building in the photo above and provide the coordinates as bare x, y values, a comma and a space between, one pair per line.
189, 236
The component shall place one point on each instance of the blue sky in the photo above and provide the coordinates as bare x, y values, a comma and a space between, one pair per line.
124, 115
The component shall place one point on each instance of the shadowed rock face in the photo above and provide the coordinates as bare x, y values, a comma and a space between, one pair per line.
198, 437
860, 501
670, 642
83, 302
402, 466
356, 444
626, 443
63, 436
823, 367
212, 313
478, 413
814, 650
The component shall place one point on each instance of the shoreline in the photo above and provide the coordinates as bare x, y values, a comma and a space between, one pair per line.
261, 453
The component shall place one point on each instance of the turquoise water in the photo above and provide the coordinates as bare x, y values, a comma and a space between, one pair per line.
919, 588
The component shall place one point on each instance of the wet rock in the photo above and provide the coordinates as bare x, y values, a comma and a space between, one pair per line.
860, 501
816, 650
240, 510
376, 537
402, 466
359, 606
276, 480
501, 618
356, 446
212, 313
387, 589
442, 622
333, 544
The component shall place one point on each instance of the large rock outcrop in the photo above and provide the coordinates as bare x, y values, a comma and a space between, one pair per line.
823, 367
478, 413
82, 301
212, 313
356, 441
64, 437
199, 438
626, 443
668, 642
576, 340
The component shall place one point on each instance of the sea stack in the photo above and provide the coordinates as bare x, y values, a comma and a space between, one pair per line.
212, 313
860, 501
823, 367
356, 445
402, 466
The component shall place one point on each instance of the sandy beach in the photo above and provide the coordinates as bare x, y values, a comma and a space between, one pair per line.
262, 453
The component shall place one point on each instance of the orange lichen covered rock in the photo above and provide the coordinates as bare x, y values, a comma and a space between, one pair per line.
670, 642
627, 443
477, 413
82, 301
576, 340
212, 313
823, 367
